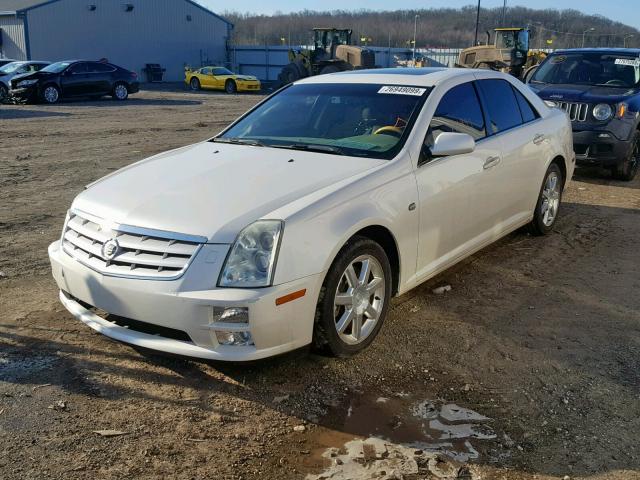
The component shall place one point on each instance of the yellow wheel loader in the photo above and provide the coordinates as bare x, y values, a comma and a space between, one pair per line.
332, 52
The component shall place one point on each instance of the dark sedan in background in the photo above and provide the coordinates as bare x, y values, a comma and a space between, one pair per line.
75, 78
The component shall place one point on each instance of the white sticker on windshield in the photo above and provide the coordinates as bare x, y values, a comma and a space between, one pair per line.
395, 90
630, 62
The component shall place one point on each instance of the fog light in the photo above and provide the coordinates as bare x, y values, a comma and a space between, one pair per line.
230, 314
234, 338
604, 135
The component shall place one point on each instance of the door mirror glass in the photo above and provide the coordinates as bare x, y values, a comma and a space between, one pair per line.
449, 143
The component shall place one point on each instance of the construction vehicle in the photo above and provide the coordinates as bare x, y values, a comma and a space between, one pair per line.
508, 53
332, 52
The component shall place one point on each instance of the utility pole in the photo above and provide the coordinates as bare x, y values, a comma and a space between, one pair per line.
585, 33
504, 13
625, 39
415, 32
475, 42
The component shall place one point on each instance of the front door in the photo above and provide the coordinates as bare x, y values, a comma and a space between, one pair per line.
449, 188
74, 80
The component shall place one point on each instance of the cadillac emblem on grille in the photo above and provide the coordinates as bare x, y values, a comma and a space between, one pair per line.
110, 249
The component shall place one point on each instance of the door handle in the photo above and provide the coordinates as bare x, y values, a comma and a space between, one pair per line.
491, 162
539, 138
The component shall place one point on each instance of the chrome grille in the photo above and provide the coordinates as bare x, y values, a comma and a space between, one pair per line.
577, 112
140, 253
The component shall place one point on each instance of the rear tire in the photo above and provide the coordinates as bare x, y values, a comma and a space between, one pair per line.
354, 299
51, 94
549, 200
230, 87
626, 170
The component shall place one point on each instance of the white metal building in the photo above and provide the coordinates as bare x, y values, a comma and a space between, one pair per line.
129, 33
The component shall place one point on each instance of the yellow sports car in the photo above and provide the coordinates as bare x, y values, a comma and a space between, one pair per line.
220, 78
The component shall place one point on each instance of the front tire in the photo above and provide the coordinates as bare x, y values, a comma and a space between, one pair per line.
626, 170
230, 86
4, 93
548, 206
195, 84
51, 94
354, 299
120, 92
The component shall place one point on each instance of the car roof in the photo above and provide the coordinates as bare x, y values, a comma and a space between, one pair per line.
423, 77
613, 51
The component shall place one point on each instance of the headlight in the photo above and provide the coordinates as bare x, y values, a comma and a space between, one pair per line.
602, 112
26, 83
551, 103
252, 257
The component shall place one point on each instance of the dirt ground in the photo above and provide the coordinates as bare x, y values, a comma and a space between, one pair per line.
539, 338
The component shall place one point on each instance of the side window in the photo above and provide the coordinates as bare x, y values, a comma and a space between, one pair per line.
206, 71
502, 106
79, 68
97, 67
459, 111
529, 114
218, 71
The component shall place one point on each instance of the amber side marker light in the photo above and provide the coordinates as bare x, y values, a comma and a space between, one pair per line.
622, 109
291, 297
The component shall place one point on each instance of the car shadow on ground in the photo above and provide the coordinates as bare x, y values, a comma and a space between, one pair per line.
559, 356
601, 176
130, 102
15, 113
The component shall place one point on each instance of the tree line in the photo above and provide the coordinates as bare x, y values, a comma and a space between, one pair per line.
436, 28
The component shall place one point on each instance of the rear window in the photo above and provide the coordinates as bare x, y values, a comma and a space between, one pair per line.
529, 114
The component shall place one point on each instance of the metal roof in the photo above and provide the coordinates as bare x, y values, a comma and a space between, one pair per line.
13, 6
18, 5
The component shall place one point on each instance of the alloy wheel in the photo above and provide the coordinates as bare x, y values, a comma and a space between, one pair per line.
359, 299
51, 94
121, 92
550, 199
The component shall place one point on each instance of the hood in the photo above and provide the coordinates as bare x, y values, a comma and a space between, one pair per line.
212, 189
582, 93
245, 77
32, 75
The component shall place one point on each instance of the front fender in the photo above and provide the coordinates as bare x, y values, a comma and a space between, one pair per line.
314, 235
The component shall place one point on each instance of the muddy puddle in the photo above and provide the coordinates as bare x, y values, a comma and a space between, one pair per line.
398, 437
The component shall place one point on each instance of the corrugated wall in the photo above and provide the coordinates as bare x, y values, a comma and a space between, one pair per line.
169, 32
13, 42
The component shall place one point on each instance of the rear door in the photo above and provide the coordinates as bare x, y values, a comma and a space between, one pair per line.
514, 181
100, 78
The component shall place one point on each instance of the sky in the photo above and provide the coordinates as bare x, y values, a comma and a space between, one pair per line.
626, 11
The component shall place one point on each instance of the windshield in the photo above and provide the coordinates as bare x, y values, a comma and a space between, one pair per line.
345, 119
56, 67
222, 71
11, 67
610, 70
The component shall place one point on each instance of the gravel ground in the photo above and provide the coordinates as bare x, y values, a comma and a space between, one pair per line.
527, 368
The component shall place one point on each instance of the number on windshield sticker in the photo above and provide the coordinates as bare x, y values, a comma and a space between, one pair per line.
395, 90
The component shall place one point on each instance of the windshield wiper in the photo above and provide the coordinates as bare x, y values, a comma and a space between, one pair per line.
313, 148
238, 141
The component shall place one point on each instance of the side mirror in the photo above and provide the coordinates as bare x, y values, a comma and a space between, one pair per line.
447, 144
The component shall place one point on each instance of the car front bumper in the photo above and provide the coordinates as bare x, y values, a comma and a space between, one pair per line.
599, 148
248, 86
177, 305
26, 93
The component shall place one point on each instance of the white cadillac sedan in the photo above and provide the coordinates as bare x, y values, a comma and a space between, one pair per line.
300, 221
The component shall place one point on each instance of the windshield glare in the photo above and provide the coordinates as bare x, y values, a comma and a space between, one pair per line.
56, 67
608, 70
348, 119
11, 67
